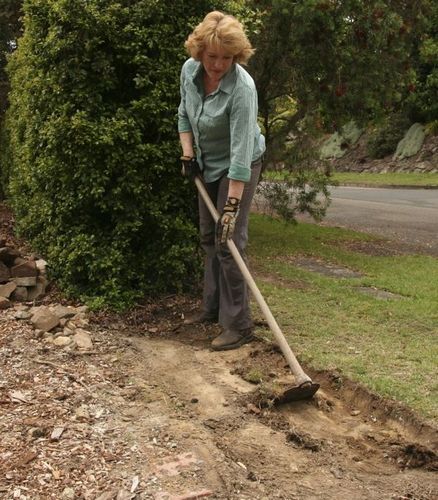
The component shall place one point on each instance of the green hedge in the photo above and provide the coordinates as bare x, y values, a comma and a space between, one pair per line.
384, 138
94, 177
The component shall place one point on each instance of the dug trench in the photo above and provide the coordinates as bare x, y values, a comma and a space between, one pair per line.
344, 443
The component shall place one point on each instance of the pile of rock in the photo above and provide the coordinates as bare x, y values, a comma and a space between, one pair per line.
22, 279
63, 326
410, 159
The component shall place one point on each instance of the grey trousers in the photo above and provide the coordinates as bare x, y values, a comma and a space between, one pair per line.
225, 290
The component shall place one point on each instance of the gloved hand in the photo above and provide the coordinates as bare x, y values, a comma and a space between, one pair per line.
227, 221
190, 167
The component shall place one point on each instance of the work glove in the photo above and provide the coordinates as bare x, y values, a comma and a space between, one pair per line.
227, 221
190, 167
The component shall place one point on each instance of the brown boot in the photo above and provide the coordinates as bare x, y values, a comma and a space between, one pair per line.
232, 339
201, 317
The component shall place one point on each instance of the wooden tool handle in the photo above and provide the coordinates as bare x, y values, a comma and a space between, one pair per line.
298, 372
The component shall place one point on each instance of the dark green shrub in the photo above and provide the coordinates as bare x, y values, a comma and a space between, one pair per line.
5, 159
421, 102
95, 178
10, 24
384, 139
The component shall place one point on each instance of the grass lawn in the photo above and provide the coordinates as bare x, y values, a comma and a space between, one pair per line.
389, 345
370, 179
389, 179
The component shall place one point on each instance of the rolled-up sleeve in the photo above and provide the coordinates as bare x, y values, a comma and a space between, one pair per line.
243, 121
183, 119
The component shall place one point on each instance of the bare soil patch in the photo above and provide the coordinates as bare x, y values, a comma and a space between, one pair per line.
325, 268
375, 248
153, 410
152, 413
379, 294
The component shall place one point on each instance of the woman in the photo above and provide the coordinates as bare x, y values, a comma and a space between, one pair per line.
218, 116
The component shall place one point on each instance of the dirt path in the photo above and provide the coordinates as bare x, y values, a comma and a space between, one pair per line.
152, 413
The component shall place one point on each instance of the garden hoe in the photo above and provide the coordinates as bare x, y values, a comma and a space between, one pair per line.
304, 388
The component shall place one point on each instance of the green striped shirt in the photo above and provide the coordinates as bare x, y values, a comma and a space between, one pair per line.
224, 123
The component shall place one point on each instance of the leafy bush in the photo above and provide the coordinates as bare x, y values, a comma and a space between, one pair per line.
336, 62
10, 11
10, 25
94, 178
384, 138
301, 190
432, 128
421, 103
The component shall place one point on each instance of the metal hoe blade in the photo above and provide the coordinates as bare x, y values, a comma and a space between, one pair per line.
298, 393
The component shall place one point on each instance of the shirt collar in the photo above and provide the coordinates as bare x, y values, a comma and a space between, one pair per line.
197, 70
227, 82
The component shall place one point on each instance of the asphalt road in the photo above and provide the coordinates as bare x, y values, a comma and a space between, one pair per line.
408, 216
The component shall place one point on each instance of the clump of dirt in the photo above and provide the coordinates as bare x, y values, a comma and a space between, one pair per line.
267, 395
304, 440
416, 456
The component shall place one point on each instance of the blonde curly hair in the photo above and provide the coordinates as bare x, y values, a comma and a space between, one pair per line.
220, 30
